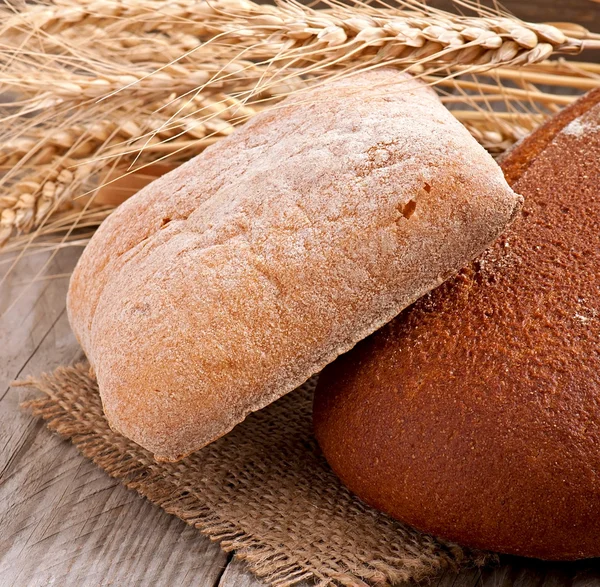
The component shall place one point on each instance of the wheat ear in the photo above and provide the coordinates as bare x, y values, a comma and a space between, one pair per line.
55, 165
412, 27
75, 63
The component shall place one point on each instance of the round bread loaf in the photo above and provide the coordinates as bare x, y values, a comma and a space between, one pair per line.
475, 414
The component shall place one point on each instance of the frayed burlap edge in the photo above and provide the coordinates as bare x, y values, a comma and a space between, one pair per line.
71, 407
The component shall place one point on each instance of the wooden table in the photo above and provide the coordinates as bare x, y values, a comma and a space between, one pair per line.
64, 522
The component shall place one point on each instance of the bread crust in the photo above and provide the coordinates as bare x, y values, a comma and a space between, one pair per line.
229, 281
475, 414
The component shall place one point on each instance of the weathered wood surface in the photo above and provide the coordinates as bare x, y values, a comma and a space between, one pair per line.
64, 522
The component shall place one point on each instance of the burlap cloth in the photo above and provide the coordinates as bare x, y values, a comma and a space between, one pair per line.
263, 491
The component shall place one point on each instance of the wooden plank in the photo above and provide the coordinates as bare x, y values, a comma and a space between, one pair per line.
466, 578
36, 321
557, 576
66, 522
237, 575
29, 308
587, 574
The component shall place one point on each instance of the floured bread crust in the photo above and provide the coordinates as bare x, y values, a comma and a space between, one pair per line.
228, 282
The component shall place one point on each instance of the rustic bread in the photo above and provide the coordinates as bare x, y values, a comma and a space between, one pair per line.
229, 281
475, 414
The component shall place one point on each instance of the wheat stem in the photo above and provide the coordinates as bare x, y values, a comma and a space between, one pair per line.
567, 81
515, 93
123, 83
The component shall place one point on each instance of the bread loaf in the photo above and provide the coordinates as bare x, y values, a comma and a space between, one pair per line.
475, 414
229, 281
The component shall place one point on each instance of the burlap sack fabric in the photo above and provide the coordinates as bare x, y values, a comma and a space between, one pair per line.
263, 491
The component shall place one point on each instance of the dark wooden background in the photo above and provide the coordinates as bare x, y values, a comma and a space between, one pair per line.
64, 522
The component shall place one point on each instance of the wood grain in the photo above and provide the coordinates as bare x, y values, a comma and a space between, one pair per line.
235, 575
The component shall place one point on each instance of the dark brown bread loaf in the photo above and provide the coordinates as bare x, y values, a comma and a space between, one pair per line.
475, 415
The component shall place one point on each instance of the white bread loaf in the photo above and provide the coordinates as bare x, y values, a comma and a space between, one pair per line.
229, 281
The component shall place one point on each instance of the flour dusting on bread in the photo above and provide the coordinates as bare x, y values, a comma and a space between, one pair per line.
229, 281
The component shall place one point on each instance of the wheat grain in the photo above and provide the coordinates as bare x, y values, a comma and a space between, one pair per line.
121, 15
116, 82
243, 19
149, 84
496, 138
129, 46
289, 32
62, 165
44, 144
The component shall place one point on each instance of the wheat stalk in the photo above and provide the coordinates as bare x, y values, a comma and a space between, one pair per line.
43, 144
121, 15
129, 47
291, 24
289, 33
293, 40
58, 165
111, 84
52, 235
149, 84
